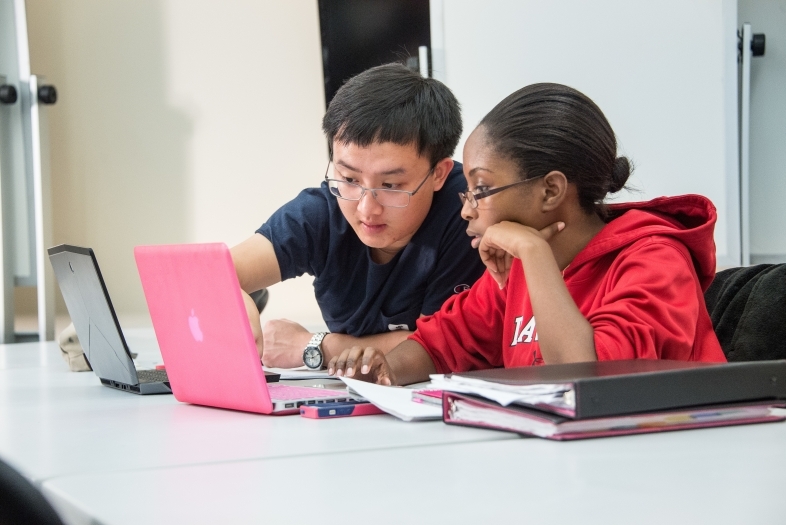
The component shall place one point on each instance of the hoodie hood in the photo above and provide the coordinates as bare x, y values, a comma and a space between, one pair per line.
687, 218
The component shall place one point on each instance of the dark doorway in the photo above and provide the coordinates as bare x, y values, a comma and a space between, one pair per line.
359, 34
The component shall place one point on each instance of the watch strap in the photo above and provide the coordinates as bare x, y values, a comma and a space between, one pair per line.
316, 340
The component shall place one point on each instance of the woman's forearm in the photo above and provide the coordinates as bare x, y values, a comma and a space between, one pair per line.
410, 363
564, 334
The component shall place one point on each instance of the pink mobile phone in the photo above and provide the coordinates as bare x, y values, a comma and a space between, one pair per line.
329, 410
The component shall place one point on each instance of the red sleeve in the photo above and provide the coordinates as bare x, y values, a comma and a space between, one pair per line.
466, 333
651, 304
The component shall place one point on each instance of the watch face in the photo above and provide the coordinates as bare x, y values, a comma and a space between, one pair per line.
312, 357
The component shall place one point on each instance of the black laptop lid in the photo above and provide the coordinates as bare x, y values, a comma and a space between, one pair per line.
91, 312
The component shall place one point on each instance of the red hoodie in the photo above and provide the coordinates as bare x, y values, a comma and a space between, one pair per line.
639, 282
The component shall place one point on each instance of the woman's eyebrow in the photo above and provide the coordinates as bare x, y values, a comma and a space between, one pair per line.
476, 169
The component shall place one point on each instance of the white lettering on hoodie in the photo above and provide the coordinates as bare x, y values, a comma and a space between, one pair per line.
526, 334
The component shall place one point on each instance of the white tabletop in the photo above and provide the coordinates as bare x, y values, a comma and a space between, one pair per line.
107, 456
54, 422
731, 475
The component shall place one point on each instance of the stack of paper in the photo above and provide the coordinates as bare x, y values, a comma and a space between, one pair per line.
555, 395
611, 398
394, 400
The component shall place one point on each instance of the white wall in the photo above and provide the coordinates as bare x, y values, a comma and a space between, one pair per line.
664, 72
193, 120
767, 130
179, 121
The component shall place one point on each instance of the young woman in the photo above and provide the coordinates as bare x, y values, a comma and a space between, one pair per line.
604, 282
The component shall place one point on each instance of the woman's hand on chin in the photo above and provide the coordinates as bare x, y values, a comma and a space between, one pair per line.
504, 241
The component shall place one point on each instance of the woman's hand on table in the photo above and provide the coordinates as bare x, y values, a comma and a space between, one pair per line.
366, 364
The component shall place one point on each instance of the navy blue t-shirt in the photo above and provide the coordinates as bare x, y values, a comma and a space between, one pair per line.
358, 296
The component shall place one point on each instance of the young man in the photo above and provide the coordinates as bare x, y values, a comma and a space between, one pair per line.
383, 235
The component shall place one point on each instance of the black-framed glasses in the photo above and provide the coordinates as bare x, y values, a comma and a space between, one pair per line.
349, 191
473, 198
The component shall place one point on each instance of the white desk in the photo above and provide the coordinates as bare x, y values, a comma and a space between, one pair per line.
54, 422
729, 475
113, 457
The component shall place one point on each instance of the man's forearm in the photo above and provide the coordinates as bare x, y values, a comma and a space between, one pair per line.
334, 344
253, 319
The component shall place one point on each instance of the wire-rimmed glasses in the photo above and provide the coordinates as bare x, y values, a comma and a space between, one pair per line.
473, 198
350, 191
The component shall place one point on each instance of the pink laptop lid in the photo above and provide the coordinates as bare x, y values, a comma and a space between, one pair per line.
202, 327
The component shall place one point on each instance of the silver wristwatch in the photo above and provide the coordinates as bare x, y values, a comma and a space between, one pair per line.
313, 357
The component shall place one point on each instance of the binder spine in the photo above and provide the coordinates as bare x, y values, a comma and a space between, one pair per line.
617, 395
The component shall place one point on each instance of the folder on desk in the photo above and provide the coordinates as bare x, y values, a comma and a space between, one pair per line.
615, 397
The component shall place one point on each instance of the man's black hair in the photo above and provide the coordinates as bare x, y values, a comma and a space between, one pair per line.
391, 103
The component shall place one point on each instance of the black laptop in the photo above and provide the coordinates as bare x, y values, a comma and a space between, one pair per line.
96, 324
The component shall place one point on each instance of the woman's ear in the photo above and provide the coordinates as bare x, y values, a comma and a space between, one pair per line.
555, 190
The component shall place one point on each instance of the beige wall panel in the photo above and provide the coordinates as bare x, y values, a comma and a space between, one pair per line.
179, 121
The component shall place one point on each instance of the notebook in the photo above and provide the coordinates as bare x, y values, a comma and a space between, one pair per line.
612, 388
475, 411
202, 328
609, 398
96, 324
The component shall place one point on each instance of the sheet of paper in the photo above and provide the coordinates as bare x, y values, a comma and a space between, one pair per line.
394, 400
552, 394
302, 372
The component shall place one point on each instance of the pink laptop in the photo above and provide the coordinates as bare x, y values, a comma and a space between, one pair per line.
203, 331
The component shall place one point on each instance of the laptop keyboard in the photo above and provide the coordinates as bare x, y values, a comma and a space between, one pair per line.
152, 376
286, 392
278, 391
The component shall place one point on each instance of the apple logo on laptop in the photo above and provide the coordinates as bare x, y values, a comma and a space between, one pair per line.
193, 323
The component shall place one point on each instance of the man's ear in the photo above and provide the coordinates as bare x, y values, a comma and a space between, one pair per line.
555, 190
441, 172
